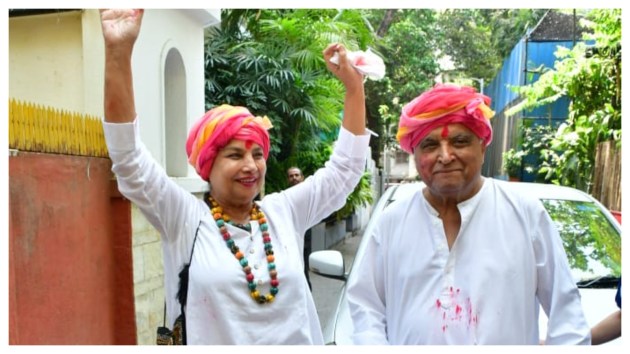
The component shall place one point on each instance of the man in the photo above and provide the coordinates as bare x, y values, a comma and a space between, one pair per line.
295, 176
464, 260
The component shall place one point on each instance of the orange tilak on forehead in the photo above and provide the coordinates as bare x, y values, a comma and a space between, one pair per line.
444, 131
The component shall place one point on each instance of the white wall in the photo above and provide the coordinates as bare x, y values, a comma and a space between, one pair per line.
57, 60
46, 61
163, 30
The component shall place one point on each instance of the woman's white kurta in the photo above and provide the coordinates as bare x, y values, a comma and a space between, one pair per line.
220, 309
408, 288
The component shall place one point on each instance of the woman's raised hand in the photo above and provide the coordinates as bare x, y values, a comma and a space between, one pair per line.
120, 31
351, 78
121, 27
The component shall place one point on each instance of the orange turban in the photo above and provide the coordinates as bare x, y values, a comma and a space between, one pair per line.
444, 104
217, 128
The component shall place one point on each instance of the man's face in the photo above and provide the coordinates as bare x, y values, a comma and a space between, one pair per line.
449, 160
295, 176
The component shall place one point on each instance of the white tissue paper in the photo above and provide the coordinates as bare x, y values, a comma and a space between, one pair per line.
367, 63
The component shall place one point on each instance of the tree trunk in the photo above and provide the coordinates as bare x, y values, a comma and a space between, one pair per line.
387, 21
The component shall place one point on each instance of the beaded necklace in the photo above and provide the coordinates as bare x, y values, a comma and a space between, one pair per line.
256, 214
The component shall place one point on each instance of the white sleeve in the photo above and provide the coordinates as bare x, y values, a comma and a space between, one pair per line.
366, 294
326, 191
145, 183
556, 291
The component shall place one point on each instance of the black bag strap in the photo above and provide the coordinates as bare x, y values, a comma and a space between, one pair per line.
164, 320
182, 292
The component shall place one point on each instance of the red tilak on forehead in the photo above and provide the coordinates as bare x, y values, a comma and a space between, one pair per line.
445, 131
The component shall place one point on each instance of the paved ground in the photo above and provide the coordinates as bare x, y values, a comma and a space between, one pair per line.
325, 290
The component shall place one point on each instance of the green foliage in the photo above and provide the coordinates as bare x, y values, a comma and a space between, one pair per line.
586, 235
477, 40
389, 117
572, 153
271, 62
409, 51
466, 35
536, 142
513, 162
360, 196
508, 26
591, 78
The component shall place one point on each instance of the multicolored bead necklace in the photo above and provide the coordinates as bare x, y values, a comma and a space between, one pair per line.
256, 214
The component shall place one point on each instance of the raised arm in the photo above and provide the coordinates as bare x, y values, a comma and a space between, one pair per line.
354, 102
120, 31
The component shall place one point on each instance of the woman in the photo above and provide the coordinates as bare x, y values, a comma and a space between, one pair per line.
246, 282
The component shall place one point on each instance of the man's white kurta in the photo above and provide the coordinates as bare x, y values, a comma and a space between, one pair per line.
408, 288
220, 309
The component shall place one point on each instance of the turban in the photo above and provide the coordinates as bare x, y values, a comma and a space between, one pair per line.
217, 128
442, 105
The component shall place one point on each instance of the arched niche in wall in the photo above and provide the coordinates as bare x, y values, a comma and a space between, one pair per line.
175, 113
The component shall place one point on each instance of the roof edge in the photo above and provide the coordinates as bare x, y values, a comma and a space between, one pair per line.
35, 12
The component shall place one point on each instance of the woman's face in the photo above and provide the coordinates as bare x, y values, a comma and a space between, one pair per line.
238, 173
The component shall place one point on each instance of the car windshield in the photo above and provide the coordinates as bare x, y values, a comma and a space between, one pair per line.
591, 241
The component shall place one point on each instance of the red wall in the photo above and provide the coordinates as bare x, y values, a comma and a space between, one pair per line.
70, 265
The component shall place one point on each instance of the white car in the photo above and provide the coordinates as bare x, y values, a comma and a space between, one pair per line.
591, 237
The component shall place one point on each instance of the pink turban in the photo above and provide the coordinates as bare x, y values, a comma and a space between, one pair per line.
444, 104
217, 128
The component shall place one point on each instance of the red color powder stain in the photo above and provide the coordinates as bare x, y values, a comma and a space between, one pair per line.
444, 328
438, 303
458, 309
445, 131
